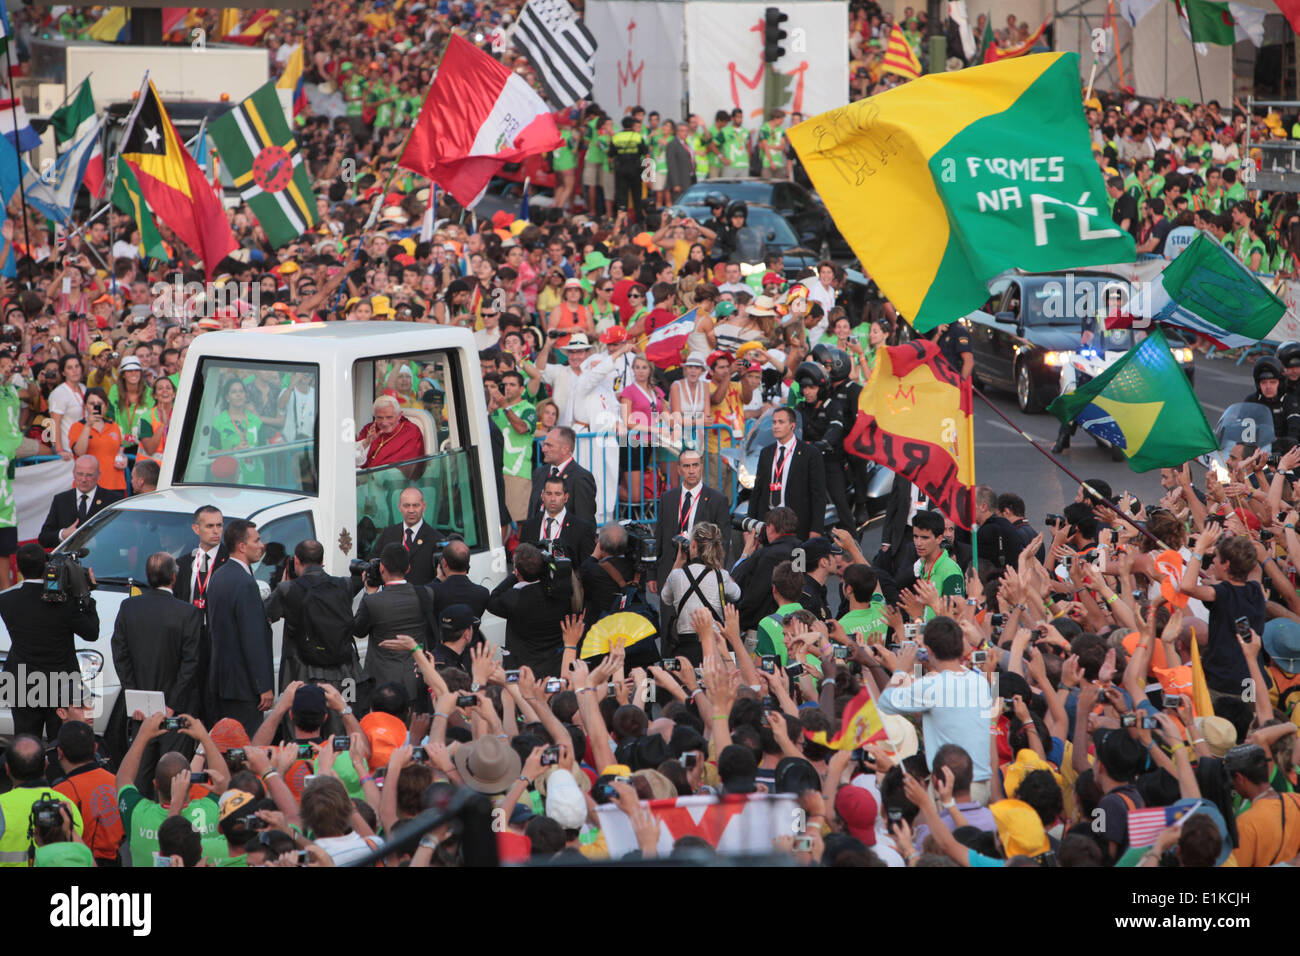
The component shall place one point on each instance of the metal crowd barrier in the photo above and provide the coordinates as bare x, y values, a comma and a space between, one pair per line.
614, 462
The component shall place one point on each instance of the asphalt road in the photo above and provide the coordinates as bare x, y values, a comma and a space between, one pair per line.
1007, 462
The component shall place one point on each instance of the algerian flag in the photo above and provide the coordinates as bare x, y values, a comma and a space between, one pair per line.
1220, 24
1143, 405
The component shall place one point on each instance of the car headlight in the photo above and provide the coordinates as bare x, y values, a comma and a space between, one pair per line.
91, 663
745, 477
1183, 355
1057, 358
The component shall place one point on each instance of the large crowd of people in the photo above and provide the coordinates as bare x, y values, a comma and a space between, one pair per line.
1019, 698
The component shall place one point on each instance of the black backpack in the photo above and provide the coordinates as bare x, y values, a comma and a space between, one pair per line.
325, 631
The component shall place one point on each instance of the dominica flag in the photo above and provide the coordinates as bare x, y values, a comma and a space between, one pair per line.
71, 123
1143, 405
991, 168
859, 725
263, 158
914, 417
171, 182
899, 56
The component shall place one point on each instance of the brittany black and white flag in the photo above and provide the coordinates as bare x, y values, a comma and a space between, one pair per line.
561, 49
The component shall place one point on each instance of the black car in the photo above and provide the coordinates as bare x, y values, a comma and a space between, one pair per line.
776, 234
801, 208
1031, 326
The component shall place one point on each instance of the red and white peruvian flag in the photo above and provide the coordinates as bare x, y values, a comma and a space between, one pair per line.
734, 824
478, 116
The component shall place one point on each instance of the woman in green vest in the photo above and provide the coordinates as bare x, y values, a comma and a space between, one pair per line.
1254, 252
564, 161
236, 428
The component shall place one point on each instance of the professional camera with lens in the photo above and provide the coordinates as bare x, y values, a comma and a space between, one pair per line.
369, 571
641, 544
741, 523
442, 543
46, 824
66, 580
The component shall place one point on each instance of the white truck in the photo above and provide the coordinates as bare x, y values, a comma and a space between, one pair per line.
304, 481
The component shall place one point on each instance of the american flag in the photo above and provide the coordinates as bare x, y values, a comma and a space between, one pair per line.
1145, 825
561, 49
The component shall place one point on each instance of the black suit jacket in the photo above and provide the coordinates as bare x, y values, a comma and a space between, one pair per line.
713, 507
532, 619
754, 575
156, 647
578, 482
459, 589
41, 634
394, 609
577, 536
422, 570
185, 573
63, 511
805, 492
242, 667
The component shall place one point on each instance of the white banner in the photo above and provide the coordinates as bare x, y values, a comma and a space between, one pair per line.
733, 824
725, 55
1288, 328
638, 55
34, 486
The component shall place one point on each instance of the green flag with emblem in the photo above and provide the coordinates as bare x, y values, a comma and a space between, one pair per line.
267, 165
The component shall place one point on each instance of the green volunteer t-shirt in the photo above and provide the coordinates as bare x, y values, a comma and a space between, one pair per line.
241, 860
353, 92
772, 136
946, 577
518, 457
64, 854
735, 146
771, 632
868, 621
141, 818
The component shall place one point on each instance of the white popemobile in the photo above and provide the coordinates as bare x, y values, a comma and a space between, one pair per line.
301, 478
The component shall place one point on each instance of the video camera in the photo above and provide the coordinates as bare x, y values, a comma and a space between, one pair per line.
557, 569
66, 580
369, 571
641, 546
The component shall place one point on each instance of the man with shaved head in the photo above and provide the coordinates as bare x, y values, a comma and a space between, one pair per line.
142, 817
70, 509
417, 536
453, 585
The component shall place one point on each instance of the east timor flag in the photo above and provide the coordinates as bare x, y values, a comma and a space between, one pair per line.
943, 183
263, 158
914, 417
172, 183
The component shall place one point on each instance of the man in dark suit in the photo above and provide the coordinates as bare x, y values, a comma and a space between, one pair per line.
754, 572
996, 537
790, 474
557, 453
156, 647
287, 602
398, 607
194, 573
453, 586
43, 640
556, 523
156, 638
417, 536
69, 510
682, 508
533, 617
243, 672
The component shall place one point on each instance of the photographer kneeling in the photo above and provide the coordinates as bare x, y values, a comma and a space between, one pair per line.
43, 626
697, 581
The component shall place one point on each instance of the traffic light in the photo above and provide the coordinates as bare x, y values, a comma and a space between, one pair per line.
773, 34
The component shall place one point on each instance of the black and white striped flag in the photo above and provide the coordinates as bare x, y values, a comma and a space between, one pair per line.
561, 49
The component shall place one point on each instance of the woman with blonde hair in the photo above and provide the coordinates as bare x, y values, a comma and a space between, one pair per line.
697, 580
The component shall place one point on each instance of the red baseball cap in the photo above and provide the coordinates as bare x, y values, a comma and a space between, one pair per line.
858, 809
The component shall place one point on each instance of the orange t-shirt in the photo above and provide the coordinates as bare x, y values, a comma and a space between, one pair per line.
104, 445
95, 794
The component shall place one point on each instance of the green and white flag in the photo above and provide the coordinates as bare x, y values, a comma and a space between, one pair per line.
267, 165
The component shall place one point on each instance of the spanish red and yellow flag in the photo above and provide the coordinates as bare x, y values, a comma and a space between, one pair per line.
860, 725
993, 54
171, 182
914, 417
899, 56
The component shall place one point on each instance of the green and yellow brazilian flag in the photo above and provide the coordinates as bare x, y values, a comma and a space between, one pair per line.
1144, 405
943, 183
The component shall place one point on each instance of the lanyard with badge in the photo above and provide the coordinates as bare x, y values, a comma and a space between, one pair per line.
201, 583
